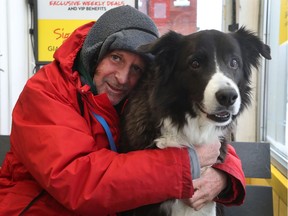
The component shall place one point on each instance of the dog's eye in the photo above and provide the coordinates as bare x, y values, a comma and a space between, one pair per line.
195, 64
234, 64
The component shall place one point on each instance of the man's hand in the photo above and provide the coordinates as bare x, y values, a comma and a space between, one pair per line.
208, 154
207, 187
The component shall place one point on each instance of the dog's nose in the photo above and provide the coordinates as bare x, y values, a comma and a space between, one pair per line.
226, 97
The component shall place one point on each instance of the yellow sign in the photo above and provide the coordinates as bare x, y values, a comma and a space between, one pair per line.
58, 19
52, 33
283, 33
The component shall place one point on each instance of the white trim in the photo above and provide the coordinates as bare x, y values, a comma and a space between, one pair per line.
279, 161
280, 150
261, 109
18, 48
4, 75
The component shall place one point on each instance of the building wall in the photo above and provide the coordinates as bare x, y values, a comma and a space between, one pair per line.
248, 14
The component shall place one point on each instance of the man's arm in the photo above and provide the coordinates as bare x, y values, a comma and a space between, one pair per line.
223, 183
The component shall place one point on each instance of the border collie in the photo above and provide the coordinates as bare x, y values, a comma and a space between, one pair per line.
196, 87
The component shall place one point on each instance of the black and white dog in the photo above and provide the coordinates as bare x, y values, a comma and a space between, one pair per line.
196, 87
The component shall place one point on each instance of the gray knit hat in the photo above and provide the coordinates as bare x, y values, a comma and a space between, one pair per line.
123, 28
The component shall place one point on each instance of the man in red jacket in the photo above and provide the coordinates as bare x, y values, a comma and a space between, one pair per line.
60, 161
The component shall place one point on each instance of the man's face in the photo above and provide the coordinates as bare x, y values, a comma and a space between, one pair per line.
117, 74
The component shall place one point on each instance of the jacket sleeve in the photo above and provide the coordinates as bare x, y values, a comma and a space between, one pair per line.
234, 194
55, 144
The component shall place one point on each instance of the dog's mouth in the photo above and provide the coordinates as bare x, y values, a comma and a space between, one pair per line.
219, 116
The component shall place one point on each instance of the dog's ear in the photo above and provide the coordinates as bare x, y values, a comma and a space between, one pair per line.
162, 44
251, 50
164, 50
251, 46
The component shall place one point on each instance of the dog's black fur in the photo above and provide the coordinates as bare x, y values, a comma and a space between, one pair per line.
174, 85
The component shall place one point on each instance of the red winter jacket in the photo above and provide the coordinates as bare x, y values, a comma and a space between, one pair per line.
55, 148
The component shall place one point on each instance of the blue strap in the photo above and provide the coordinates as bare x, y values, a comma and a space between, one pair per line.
104, 124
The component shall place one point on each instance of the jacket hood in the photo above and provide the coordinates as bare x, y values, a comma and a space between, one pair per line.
66, 54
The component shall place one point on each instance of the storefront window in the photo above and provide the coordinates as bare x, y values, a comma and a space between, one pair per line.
184, 16
275, 115
177, 15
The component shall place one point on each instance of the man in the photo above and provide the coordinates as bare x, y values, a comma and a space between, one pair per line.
60, 161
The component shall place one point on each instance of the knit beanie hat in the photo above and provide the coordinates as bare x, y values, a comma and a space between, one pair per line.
123, 28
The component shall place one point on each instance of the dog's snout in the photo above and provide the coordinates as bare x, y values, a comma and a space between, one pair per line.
226, 97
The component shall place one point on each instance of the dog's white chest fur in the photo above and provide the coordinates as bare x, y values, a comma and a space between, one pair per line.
181, 209
197, 131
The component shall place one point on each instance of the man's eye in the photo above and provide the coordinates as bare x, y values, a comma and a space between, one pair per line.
115, 58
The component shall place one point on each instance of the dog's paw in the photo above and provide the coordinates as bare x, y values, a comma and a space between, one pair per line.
161, 143
167, 142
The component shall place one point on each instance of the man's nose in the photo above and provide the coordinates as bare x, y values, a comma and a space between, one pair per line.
122, 75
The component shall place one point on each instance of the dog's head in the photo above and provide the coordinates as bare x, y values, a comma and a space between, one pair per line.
210, 70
